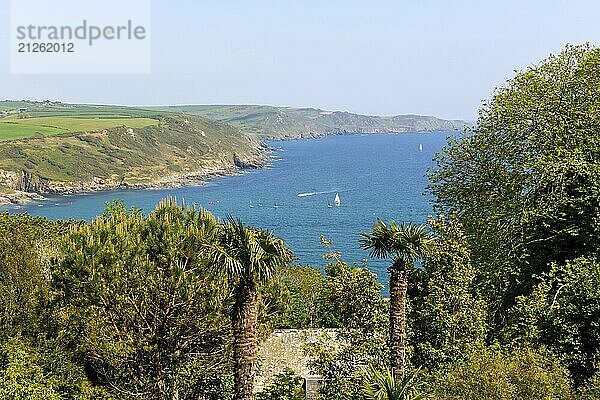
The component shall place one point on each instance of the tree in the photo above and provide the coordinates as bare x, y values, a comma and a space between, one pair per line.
136, 299
490, 373
448, 318
562, 314
351, 301
248, 257
405, 243
525, 181
285, 386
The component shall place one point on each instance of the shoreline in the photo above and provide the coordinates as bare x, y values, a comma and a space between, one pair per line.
194, 178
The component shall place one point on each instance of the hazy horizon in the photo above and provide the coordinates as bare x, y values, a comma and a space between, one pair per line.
383, 58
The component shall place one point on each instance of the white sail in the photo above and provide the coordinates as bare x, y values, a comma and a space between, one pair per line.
337, 200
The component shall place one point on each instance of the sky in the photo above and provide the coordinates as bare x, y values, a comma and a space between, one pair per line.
382, 57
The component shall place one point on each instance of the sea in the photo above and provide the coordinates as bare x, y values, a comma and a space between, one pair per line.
375, 176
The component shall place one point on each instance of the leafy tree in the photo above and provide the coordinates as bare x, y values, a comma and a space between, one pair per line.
248, 257
491, 374
285, 386
26, 247
405, 243
352, 303
525, 181
351, 299
447, 318
562, 314
306, 290
28, 373
137, 301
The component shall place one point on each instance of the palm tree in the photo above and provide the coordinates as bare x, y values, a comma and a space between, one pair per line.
405, 243
382, 385
248, 257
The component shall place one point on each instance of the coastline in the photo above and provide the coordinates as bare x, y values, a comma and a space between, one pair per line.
193, 178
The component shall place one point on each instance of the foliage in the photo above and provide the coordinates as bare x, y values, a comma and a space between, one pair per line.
356, 307
563, 314
447, 318
381, 385
30, 373
306, 290
26, 246
591, 391
248, 258
489, 373
136, 300
285, 386
525, 182
352, 299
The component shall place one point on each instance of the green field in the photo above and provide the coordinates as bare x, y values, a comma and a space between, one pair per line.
12, 128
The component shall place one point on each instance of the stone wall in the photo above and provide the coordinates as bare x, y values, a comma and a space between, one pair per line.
285, 349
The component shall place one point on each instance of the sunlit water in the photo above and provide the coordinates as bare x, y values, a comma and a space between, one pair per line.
375, 176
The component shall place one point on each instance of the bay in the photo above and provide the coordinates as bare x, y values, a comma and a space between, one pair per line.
375, 176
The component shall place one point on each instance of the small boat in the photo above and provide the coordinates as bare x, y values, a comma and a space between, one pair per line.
275, 205
329, 205
337, 200
251, 205
421, 147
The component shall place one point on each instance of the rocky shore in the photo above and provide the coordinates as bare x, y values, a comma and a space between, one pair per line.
23, 187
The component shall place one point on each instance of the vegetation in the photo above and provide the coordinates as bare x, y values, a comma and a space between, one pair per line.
504, 304
13, 127
248, 257
405, 243
124, 155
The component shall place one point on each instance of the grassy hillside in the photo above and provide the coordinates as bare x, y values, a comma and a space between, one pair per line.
286, 122
170, 146
15, 127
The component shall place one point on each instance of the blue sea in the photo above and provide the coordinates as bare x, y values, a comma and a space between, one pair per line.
374, 175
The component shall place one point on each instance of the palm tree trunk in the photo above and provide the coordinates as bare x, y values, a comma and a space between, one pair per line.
398, 294
245, 325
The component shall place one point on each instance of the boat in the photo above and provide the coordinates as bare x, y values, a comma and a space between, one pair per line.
421, 147
329, 205
251, 205
337, 200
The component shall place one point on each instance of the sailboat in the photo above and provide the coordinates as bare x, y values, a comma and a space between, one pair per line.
337, 200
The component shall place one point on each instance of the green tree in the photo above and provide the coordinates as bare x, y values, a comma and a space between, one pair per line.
562, 314
405, 243
27, 245
27, 372
525, 181
352, 303
248, 257
489, 373
285, 386
447, 318
137, 301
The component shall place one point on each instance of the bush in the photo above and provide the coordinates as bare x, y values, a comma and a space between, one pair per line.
491, 374
285, 386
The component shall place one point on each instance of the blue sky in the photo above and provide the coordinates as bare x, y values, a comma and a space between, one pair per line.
375, 57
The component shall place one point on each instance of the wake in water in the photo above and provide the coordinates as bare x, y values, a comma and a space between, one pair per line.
314, 193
